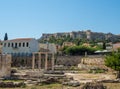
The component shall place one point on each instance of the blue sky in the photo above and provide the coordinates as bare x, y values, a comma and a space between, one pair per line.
31, 18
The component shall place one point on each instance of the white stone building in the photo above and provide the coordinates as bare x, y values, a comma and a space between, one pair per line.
20, 46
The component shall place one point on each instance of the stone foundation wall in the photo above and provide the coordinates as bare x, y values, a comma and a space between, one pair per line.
22, 61
68, 60
93, 60
81, 61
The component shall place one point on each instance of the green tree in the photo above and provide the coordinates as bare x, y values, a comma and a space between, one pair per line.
77, 41
79, 50
6, 36
113, 61
104, 45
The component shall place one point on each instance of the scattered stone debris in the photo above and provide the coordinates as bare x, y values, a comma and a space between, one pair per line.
73, 83
93, 85
53, 72
12, 84
50, 80
111, 81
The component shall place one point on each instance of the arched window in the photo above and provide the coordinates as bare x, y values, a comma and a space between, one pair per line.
19, 44
8, 44
23, 44
12, 45
27, 44
4, 44
15, 45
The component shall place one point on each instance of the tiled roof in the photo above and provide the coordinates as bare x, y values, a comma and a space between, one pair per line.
20, 39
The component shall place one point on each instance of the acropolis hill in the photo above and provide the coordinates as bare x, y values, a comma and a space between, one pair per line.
88, 34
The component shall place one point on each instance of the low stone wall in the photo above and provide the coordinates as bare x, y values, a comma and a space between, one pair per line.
35, 73
68, 60
93, 60
75, 60
82, 62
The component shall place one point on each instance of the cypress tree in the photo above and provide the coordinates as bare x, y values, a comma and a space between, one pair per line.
6, 36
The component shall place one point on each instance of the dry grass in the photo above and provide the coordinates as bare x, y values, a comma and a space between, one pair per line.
59, 86
112, 85
49, 86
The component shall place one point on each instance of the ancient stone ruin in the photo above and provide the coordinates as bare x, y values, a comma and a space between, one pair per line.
93, 86
92, 61
5, 65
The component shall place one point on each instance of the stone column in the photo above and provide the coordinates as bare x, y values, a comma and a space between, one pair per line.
39, 61
53, 61
33, 61
46, 61
0, 61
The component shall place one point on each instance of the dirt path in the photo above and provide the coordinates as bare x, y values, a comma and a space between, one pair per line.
87, 77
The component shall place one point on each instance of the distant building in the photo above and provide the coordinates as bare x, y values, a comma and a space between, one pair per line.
86, 44
48, 47
100, 43
116, 46
68, 44
20, 46
21, 50
109, 46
